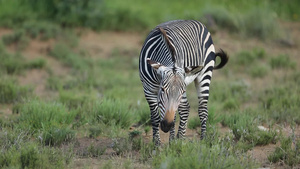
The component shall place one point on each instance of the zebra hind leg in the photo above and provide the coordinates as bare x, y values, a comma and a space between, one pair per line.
183, 110
202, 83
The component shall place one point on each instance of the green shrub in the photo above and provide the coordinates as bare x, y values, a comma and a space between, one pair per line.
44, 29
245, 128
74, 99
29, 157
96, 151
57, 136
38, 63
193, 123
265, 26
64, 53
20, 150
282, 61
95, 131
259, 71
290, 156
10, 92
110, 112
16, 63
221, 17
281, 102
18, 37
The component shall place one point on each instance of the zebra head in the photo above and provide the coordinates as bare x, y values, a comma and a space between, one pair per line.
171, 89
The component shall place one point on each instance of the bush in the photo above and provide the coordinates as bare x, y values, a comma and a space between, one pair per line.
10, 92
39, 115
50, 120
110, 112
245, 128
282, 61
291, 156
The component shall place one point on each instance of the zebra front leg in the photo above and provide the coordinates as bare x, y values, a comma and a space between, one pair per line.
172, 131
183, 110
155, 119
155, 125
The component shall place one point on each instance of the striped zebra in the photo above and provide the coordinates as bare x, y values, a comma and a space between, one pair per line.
175, 54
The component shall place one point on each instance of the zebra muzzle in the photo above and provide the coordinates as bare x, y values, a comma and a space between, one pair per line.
166, 126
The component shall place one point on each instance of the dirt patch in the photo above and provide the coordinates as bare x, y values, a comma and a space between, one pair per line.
37, 78
4, 31
260, 154
5, 110
104, 43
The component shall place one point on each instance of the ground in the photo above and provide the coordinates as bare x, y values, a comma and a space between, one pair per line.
101, 44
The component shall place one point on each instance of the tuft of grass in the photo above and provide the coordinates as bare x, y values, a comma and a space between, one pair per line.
286, 152
245, 129
55, 136
282, 61
110, 112
74, 99
265, 26
10, 92
19, 150
259, 71
18, 38
64, 53
281, 102
246, 57
193, 123
96, 151
38, 63
50, 120
16, 63
42, 29
39, 115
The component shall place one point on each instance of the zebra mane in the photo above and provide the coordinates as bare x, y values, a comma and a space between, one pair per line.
170, 46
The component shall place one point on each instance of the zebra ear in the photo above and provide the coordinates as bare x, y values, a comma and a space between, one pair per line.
154, 64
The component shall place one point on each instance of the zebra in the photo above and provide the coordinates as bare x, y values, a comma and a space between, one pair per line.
175, 54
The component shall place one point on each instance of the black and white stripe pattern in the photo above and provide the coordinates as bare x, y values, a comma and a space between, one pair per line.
175, 54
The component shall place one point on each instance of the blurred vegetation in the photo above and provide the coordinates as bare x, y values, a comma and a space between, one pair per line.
251, 18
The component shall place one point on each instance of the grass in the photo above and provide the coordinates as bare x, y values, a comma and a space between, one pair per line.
244, 127
118, 15
183, 154
11, 92
286, 152
19, 151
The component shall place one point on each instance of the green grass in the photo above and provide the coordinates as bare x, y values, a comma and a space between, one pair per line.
182, 154
110, 112
244, 127
11, 92
286, 152
103, 97
50, 122
282, 61
18, 150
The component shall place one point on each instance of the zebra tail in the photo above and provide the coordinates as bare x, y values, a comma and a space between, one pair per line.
224, 59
